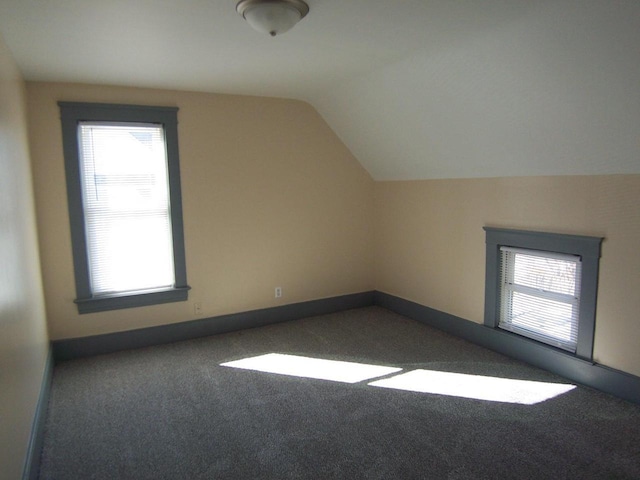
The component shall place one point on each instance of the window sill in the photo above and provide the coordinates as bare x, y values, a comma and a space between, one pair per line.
530, 350
117, 302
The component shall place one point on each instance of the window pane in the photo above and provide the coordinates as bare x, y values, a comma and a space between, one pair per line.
548, 274
543, 316
540, 296
126, 203
130, 253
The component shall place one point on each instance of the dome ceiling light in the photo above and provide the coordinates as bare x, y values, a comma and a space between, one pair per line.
272, 16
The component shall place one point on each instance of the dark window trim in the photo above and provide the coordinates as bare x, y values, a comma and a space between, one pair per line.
588, 248
70, 114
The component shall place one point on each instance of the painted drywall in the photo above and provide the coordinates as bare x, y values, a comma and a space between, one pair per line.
271, 198
430, 245
550, 88
23, 331
416, 89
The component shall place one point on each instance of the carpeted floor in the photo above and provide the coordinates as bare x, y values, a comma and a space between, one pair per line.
173, 412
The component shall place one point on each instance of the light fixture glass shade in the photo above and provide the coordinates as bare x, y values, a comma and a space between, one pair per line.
272, 16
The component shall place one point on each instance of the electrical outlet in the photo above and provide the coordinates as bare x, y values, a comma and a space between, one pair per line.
278, 292
197, 308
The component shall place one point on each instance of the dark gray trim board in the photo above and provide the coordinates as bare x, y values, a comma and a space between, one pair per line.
609, 380
101, 304
145, 337
71, 115
36, 438
616, 382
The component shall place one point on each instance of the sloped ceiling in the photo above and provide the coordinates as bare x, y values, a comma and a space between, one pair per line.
416, 89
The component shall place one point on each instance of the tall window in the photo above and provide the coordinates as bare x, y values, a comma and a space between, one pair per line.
125, 205
543, 286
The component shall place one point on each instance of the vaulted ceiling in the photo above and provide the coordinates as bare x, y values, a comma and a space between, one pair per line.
415, 88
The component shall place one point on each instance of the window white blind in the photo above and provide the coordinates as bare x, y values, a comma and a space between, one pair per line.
126, 205
540, 295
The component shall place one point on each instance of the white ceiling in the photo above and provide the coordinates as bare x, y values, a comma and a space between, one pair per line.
415, 88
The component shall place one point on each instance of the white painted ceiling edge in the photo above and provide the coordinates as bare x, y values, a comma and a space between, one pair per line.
416, 89
556, 92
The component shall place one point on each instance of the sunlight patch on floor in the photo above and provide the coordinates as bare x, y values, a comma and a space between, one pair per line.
478, 387
493, 389
298, 366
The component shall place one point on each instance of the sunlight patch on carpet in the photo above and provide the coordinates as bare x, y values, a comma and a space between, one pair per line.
478, 387
299, 366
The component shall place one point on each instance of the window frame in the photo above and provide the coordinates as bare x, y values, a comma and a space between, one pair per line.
588, 248
71, 113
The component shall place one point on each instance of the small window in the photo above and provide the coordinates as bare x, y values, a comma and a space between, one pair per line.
124, 204
540, 295
543, 286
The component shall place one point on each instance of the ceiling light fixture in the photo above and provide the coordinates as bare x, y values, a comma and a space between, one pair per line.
272, 16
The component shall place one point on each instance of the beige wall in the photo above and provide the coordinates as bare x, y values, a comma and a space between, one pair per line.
430, 243
23, 335
271, 198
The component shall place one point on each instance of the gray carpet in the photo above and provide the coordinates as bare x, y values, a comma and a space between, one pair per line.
172, 412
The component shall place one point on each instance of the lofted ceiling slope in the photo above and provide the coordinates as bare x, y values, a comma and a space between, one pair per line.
416, 89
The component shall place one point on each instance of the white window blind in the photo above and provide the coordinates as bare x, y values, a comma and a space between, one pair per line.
126, 205
540, 295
